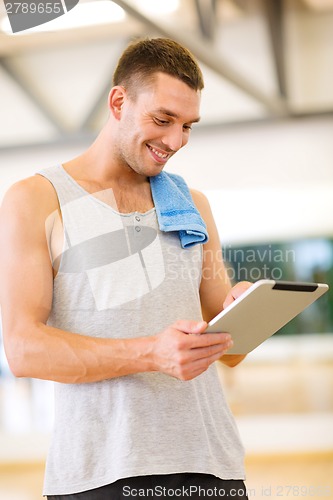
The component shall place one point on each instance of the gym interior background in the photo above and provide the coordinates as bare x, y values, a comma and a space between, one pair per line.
262, 153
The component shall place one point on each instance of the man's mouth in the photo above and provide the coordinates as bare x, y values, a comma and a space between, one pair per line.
159, 155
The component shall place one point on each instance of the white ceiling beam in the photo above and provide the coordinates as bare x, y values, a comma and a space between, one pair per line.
206, 13
273, 11
31, 42
30, 91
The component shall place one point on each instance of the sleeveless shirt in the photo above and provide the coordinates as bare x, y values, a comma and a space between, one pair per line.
119, 276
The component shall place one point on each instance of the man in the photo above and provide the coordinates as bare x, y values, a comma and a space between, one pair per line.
97, 298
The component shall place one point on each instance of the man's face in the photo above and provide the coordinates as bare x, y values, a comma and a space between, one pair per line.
156, 124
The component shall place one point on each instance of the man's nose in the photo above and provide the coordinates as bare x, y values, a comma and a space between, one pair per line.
174, 138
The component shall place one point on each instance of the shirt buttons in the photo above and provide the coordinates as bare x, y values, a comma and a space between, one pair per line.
138, 219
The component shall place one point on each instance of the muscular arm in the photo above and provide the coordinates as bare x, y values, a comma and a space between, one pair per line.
37, 350
215, 289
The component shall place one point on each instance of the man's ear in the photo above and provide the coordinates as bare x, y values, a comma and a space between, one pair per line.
117, 97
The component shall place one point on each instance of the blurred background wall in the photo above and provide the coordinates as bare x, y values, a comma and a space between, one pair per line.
262, 153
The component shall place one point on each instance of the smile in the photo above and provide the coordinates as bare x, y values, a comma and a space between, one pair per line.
162, 156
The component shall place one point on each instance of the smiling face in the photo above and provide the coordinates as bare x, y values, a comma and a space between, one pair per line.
155, 124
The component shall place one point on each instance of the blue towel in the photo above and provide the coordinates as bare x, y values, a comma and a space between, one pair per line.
175, 209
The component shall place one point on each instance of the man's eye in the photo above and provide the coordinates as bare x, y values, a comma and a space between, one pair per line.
161, 122
187, 127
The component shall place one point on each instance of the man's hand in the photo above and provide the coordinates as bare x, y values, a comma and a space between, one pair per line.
184, 351
235, 292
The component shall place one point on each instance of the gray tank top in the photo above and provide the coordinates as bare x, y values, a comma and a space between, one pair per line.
120, 276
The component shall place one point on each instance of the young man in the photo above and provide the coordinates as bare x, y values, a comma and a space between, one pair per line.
97, 298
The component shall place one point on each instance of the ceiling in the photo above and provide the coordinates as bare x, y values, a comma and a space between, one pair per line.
262, 60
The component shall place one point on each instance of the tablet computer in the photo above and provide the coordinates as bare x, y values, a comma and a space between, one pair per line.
262, 310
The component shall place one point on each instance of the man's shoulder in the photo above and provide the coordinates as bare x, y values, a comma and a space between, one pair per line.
199, 198
30, 185
203, 206
33, 193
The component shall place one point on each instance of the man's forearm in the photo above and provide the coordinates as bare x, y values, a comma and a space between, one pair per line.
53, 354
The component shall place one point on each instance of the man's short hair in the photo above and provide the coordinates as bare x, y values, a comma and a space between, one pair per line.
142, 59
